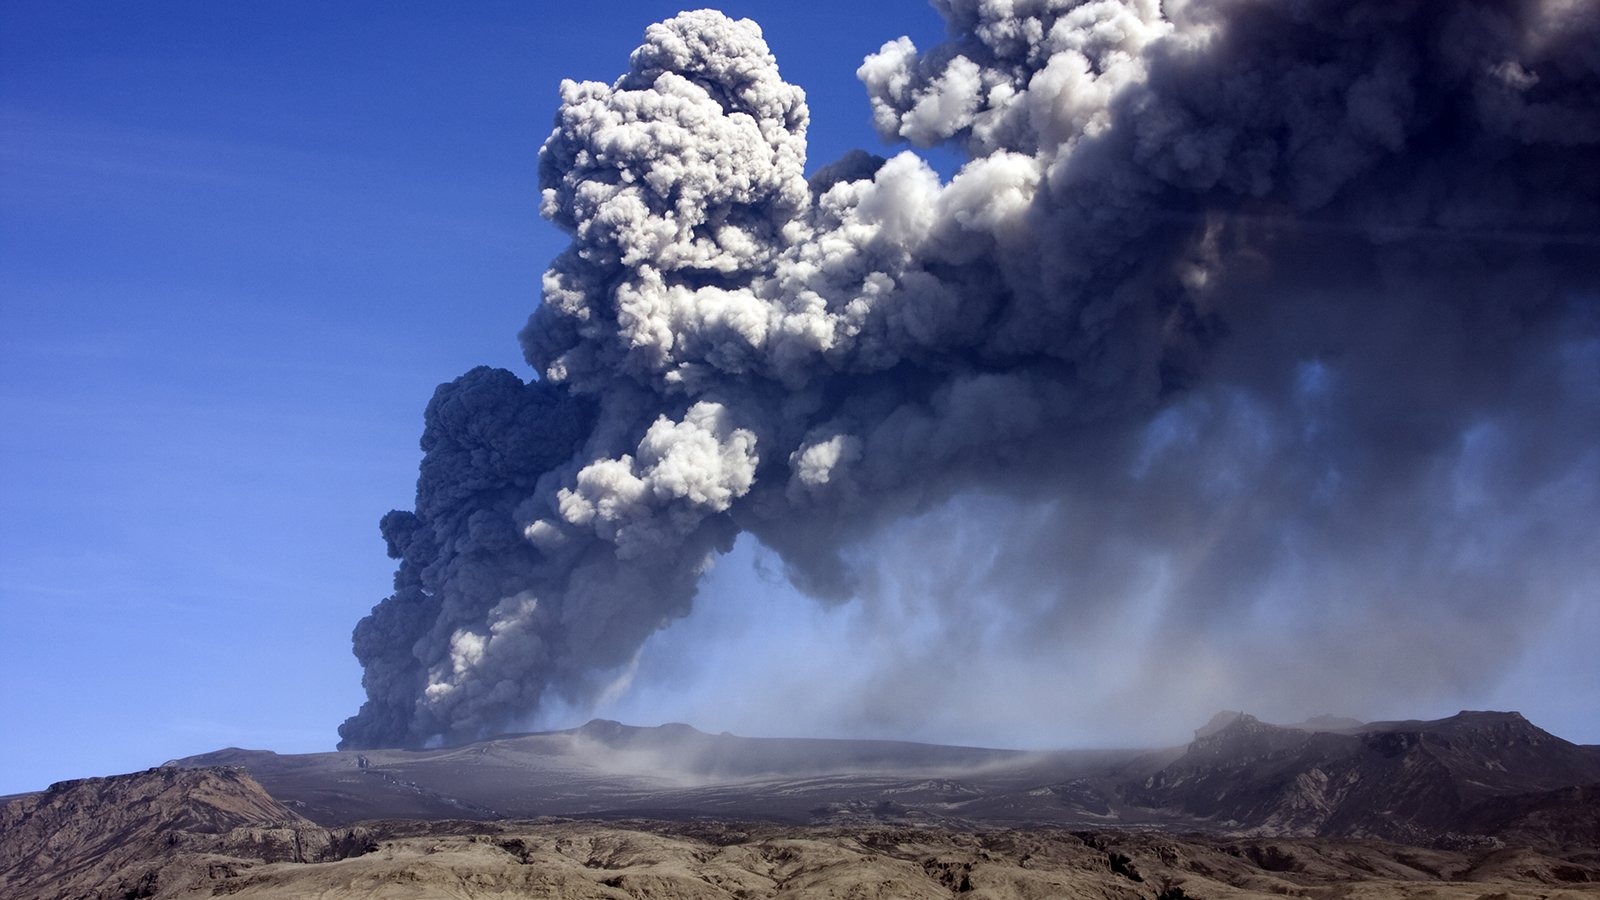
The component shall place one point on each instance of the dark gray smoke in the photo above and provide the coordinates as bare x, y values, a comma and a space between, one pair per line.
1241, 311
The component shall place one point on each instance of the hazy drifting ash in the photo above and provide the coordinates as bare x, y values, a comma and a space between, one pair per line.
1272, 327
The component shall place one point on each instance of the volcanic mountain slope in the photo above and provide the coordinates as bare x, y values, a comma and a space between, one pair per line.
1417, 782
1464, 778
169, 833
125, 833
674, 771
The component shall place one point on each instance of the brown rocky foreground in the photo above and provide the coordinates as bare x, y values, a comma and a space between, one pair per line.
171, 833
652, 860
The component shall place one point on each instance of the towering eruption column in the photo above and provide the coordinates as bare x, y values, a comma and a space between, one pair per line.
560, 523
1277, 321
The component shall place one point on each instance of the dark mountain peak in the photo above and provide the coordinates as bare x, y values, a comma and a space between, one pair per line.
679, 728
601, 728
1487, 728
1325, 722
1244, 722
613, 733
1489, 715
1467, 718
1218, 722
1497, 728
1243, 738
1491, 720
227, 757
1412, 780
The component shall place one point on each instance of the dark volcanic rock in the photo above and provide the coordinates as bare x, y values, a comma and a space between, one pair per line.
1218, 722
1418, 782
1566, 818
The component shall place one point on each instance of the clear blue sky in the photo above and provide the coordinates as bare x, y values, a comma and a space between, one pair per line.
240, 243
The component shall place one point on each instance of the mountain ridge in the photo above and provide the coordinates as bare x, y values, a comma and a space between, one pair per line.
1415, 781
906, 828
117, 830
1411, 780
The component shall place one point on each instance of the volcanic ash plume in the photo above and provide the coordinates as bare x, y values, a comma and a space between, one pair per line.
1259, 311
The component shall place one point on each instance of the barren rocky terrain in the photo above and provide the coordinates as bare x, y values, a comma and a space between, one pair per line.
1453, 781
1481, 805
165, 835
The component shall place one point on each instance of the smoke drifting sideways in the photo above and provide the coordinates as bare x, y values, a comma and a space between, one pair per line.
1274, 324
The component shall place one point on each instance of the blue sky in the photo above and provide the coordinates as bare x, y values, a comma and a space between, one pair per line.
239, 246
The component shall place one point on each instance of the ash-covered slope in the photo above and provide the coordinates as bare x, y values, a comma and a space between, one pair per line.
605, 768
144, 834
1413, 781
1467, 778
